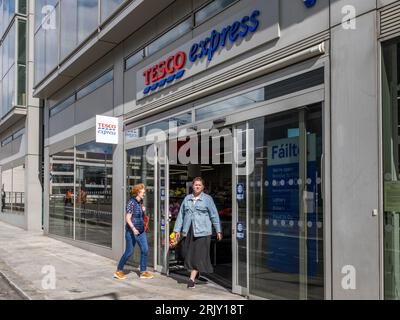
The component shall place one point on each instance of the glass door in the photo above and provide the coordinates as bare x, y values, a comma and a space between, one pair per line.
140, 170
162, 179
278, 209
285, 207
241, 168
391, 168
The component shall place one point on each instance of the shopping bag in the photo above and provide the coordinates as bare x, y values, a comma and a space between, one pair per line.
146, 223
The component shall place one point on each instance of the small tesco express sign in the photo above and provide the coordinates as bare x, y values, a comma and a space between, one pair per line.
107, 130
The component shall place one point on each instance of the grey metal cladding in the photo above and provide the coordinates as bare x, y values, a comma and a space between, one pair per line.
98, 102
85, 136
6, 151
61, 146
62, 121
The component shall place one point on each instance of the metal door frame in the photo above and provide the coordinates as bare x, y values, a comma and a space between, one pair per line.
317, 94
140, 143
293, 102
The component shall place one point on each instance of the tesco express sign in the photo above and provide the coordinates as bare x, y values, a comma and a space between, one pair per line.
106, 129
172, 68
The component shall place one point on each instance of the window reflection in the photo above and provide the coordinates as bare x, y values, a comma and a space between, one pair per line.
173, 122
107, 77
230, 104
13, 190
18, 195
93, 194
6, 141
173, 34
108, 7
134, 59
62, 105
61, 189
391, 167
87, 190
39, 55
22, 5
7, 74
83, 92
7, 11
278, 216
74, 21
87, 18
68, 26
211, 10
51, 36
21, 72
6, 179
278, 89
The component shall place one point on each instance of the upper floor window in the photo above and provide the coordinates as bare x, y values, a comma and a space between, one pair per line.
12, 137
182, 28
108, 7
62, 25
211, 10
105, 78
83, 92
13, 67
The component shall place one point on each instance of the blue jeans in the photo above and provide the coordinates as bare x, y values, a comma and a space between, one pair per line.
131, 240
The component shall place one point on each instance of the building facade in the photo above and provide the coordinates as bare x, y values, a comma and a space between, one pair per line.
20, 118
292, 106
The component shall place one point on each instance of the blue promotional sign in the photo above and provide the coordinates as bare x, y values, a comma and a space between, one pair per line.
240, 191
162, 194
134, 133
282, 203
240, 230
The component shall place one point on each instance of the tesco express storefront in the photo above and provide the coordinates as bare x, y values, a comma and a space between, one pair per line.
238, 105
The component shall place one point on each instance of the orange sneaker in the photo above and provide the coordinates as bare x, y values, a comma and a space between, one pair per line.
120, 275
146, 275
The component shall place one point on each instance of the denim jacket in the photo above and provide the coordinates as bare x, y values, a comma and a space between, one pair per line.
202, 215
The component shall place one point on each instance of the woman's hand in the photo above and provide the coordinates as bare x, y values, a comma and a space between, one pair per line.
135, 231
177, 236
219, 236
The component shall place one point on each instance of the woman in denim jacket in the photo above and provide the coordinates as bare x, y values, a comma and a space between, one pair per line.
196, 215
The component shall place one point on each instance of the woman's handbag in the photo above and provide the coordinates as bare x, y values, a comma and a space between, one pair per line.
146, 222
179, 251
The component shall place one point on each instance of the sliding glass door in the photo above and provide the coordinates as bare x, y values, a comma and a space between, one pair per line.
285, 207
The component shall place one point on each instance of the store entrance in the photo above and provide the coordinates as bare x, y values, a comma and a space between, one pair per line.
218, 180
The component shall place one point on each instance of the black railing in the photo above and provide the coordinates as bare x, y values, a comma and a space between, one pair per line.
13, 202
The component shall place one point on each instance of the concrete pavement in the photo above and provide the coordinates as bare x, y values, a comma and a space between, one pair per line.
8, 291
29, 260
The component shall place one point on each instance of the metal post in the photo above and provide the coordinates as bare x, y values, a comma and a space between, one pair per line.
303, 205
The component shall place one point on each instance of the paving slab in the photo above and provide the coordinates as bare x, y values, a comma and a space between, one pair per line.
40, 267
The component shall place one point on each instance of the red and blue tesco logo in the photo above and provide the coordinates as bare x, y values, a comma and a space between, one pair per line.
166, 71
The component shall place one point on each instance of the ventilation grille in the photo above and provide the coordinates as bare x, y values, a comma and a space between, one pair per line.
221, 78
390, 21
